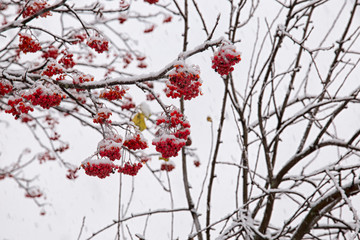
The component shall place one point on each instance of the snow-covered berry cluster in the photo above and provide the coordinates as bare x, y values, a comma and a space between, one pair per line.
110, 147
225, 58
67, 59
102, 116
172, 135
52, 68
128, 103
5, 87
52, 52
78, 38
17, 107
46, 96
183, 81
27, 44
82, 78
109, 150
113, 93
130, 169
135, 141
99, 44
34, 6
101, 168
168, 145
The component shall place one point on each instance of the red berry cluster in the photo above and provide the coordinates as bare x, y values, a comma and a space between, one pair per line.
167, 19
145, 159
151, 1
33, 193
130, 169
52, 52
51, 121
113, 93
62, 148
176, 121
127, 58
173, 134
98, 44
168, 145
129, 104
225, 58
124, 4
45, 97
101, 170
35, 6
167, 167
5, 87
182, 134
183, 81
122, 18
55, 137
149, 29
27, 44
72, 174
150, 97
18, 107
25, 118
196, 163
142, 65
102, 116
78, 79
3, 6
78, 38
45, 157
136, 142
110, 147
52, 68
67, 59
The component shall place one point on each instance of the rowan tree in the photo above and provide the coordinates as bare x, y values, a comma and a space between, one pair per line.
271, 152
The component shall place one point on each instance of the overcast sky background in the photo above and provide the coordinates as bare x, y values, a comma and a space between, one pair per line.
97, 199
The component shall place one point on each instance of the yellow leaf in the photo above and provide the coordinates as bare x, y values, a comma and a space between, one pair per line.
139, 121
165, 159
